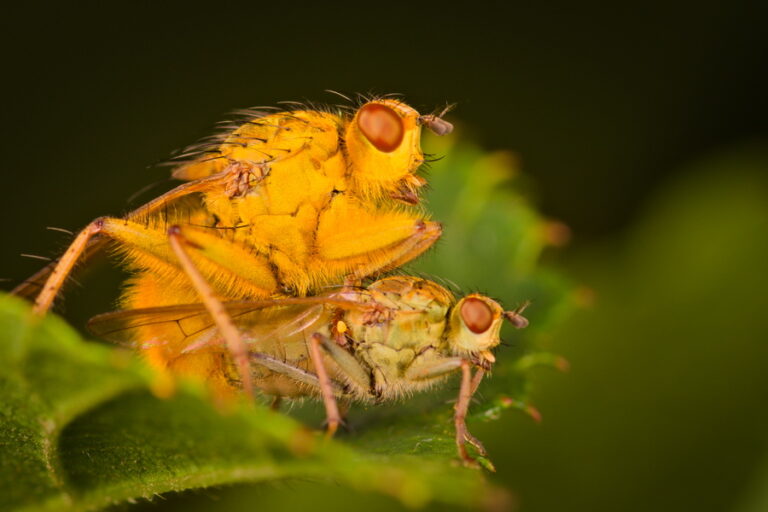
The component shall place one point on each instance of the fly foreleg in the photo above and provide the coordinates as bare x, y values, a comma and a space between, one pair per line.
436, 368
467, 389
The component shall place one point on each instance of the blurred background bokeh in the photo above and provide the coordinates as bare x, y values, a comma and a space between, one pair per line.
642, 127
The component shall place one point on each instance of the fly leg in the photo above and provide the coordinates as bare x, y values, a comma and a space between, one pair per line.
326, 389
476, 379
173, 253
238, 349
354, 241
65, 265
437, 368
462, 405
344, 406
424, 236
86, 246
293, 372
347, 366
151, 243
479, 374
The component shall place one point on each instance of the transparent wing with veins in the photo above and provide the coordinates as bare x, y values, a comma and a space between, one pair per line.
191, 327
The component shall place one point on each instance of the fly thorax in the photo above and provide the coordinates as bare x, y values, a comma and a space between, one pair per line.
416, 321
419, 308
409, 293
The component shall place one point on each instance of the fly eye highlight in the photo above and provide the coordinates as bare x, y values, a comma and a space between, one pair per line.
477, 315
382, 126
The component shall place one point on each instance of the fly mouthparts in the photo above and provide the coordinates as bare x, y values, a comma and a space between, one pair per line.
406, 191
488, 356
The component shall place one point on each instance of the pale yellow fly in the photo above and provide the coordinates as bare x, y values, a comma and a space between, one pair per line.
396, 336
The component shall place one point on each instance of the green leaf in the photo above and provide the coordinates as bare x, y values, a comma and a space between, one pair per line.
81, 428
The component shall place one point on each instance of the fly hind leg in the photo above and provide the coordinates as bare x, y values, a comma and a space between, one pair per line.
85, 245
144, 244
65, 265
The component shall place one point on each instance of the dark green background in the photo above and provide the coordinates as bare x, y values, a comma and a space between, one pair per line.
641, 126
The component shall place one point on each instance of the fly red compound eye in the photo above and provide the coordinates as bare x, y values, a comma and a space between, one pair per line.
477, 315
381, 126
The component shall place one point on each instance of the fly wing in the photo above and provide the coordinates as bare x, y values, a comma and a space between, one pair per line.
191, 326
128, 328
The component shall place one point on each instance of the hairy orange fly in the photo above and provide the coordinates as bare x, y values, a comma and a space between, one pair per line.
282, 204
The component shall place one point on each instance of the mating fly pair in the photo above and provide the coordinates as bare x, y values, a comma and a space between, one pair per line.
232, 271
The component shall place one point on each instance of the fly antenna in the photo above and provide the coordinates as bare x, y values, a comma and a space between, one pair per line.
515, 316
436, 123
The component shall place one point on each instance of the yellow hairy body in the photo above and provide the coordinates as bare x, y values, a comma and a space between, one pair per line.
292, 202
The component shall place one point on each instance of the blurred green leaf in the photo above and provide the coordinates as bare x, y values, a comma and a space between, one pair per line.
665, 406
493, 242
493, 237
